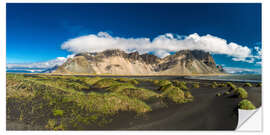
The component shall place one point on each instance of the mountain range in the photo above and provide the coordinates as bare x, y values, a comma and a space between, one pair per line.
118, 62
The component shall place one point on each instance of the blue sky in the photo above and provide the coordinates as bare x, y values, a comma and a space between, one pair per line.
36, 32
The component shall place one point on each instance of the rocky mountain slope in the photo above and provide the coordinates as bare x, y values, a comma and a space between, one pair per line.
122, 63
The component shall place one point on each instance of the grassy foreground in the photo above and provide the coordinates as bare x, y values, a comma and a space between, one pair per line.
72, 103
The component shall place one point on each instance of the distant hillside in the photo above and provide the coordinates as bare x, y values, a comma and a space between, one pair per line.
122, 63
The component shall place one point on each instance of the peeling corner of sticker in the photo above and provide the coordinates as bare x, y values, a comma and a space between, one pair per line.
249, 120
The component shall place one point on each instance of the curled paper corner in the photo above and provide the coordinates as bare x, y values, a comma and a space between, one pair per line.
249, 120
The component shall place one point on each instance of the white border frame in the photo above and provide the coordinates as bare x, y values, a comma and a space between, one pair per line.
266, 65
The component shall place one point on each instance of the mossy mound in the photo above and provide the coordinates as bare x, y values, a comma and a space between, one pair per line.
227, 93
128, 80
247, 85
139, 93
119, 102
196, 85
180, 84
188, 96
176, 95
166, 87
117, 87
231, 86
241, 93
105, 83
218, 94
92, 80
214, 85
162, 82
58, 112
222, 85
246, 105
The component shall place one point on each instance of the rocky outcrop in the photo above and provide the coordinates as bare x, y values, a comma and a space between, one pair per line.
120, 62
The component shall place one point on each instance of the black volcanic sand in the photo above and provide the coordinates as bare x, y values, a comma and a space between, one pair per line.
206, 112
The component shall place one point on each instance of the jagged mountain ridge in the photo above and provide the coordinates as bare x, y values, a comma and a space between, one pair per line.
119, 62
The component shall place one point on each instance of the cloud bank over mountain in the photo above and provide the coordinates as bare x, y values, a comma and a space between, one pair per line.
161, 46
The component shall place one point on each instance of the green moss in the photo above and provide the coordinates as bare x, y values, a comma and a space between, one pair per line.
116, 102
91, 81
222, 85
246, 105
76, 86
58, 112
166, 83
128, 80
105, 83
166, 87
147, 80
175, 94
110, 103
188, 96
139, 93
21, 116
180, 84
120, 86
231, 86
227, 93
241, 93
61, 102
214, 85
51, 124
162, 82
156, 82
196, 85
36, 96
259, 85
218, 94
135, 82
247, 85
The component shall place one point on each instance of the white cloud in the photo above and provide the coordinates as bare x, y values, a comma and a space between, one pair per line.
161, 45
259, 63
236, 70
40, 65
247, 59
258, 52
257, 56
